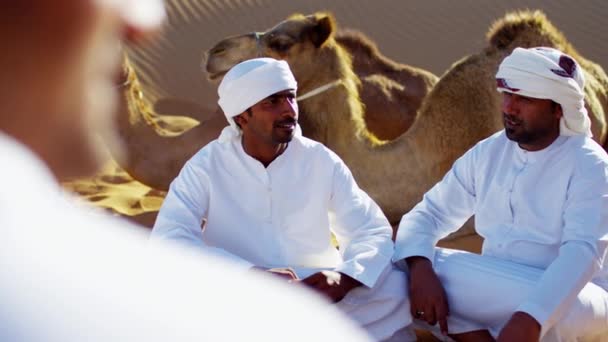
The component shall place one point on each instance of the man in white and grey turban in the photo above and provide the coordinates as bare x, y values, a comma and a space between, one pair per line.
539, 193
547, 73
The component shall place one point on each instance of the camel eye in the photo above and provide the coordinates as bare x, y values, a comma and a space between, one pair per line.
280, 45
217, 51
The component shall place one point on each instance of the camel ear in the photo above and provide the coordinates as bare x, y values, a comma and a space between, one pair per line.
323, 28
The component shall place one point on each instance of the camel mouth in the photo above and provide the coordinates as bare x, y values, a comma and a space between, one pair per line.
216, 76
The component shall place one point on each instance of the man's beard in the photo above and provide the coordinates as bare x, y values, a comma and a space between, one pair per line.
284, 138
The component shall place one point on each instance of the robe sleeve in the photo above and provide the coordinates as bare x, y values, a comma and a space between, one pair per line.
363, 232
443, 210
583, 250
182, 213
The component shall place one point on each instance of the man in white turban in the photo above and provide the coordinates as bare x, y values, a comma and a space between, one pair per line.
262, 196
539, 193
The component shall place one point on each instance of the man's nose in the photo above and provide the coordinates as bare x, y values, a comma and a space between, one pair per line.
508, 105
289, 106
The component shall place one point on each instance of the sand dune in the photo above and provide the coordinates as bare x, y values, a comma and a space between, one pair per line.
113, 189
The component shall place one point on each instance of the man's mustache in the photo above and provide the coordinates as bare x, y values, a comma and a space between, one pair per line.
511, 118
287, 121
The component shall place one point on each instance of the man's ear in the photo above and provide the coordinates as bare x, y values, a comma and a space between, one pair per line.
240, 120
322, 29
557, 110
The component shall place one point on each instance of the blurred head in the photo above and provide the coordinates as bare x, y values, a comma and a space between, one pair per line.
61, 59
543, 96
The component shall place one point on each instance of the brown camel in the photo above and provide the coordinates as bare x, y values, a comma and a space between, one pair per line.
391, 93
337, 118
155, 155
460, 110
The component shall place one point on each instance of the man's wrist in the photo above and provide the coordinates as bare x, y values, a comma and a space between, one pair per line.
527, 319
415, 261
349, 282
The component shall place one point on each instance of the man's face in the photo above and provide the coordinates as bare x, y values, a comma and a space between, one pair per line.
532, 123
272, 121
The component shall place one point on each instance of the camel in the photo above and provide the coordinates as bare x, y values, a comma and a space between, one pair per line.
155, 155
391, 93
461, 109
336, 119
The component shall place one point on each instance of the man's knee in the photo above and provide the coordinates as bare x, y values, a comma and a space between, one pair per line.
390, 287
383, 309
586, 318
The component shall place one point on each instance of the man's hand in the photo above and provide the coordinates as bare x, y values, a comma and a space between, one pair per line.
521, 327
332, 284
427, 296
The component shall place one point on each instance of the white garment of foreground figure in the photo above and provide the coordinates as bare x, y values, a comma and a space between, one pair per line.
546, 209
279, 216
67, 274
483, 293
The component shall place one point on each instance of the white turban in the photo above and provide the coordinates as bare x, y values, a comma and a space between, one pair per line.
249, 82
547, 73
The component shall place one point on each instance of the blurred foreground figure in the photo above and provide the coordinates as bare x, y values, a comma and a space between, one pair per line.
67, 274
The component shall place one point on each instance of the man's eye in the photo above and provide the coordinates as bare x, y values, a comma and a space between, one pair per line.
270, 101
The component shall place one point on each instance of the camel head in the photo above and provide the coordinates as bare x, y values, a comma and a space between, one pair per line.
317, 61
300, 40
527, 29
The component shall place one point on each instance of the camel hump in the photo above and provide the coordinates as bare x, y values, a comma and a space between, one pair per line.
357, 42
367, 58
526, 29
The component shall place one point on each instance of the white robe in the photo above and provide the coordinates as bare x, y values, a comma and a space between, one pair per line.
547, 210
279, 216
69, 274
